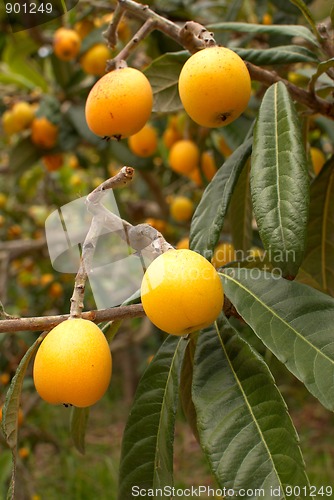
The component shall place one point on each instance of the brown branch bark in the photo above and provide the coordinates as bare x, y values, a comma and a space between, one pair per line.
309, 99
193, 37
124, 176
41, 323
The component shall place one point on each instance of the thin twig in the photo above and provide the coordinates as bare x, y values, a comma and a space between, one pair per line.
125, 53
111, 33
93, 199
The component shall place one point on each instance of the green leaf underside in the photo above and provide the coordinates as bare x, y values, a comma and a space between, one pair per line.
317, 268
279, 180
163, 75
306, 13
240, 212
147, 448
282, 29
208, 219
23, 155
293, 320
186, 386
12, 401
78, 426
10, 410
243, 422
284, 54
322, 68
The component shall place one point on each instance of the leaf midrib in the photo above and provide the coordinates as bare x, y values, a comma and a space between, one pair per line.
249, 408
162, 407
277, 169
265, 306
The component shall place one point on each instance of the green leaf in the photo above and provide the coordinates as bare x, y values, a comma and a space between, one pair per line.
321, 69
317, 268
293, 320
5, 466
240, 212
284, 54
244, 426
186, 386
281, 29
12, 401
76, 115
8, 77
279, 180
307, 14
287, 7
163, 74
10, 409
23, 155
147, 448
16, 57
208, 219
78, 426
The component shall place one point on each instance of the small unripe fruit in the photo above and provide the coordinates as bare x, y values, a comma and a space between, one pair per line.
318, 159
66, 44
184, 156
44, 133
181, 209
94, 61
145, 142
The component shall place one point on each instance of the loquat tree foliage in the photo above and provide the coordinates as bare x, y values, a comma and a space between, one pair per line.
264, 103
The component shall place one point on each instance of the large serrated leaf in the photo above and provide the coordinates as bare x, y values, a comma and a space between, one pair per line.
163, 74
279, 180
285, 54
293, 320
240, 212
208, 219
281, 29
147, 448
245, 430
317, 268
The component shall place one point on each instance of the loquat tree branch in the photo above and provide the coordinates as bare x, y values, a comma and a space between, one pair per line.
41, 323
309, 99
193, 37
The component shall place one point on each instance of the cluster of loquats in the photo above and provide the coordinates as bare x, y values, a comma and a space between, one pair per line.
181, 291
